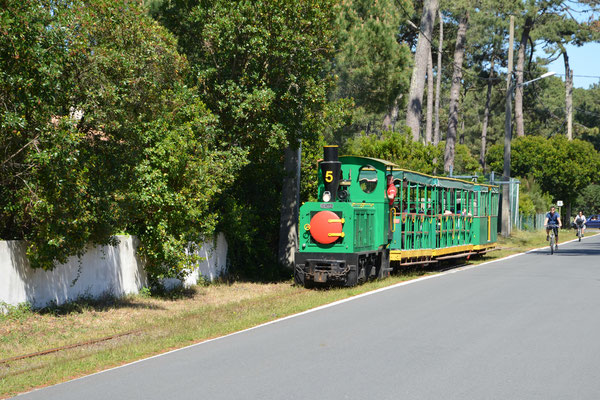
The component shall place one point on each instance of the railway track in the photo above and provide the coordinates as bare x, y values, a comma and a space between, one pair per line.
67, 347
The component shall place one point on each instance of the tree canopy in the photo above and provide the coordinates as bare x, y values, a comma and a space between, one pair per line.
101, 135
169, 119
562, 168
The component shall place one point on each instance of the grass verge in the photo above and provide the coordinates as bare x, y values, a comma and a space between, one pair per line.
156, 325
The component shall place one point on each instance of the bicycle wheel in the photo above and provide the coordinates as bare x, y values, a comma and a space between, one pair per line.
552, 243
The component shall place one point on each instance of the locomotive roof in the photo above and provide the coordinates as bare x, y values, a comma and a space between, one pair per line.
419, 176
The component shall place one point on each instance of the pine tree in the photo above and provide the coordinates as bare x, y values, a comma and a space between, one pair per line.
459, 53
417, 82
370, 62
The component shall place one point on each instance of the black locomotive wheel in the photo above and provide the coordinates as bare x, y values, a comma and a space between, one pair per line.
383, 264
300, 279
361, 271
353, 278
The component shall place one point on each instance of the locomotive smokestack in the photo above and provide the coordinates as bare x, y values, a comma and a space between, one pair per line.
330, 153
330, 170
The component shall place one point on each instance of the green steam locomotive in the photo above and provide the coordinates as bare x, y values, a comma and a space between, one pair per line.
373, 216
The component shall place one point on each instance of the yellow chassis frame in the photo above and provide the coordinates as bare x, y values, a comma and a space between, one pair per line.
400, 255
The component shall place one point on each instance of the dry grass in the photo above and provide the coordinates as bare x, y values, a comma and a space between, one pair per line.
60, 326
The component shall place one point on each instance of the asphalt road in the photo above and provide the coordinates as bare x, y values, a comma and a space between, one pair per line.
524, 328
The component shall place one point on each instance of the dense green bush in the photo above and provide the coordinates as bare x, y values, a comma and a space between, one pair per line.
531, 198
399, 148
100, 135
561, 167
262, 68
588, 200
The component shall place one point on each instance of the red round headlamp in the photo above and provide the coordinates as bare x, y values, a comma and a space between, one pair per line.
326, 227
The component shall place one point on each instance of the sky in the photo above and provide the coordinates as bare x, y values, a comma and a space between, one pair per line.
584, 60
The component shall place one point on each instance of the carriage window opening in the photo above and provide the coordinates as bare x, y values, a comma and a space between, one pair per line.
470, 203
412, 204
441, 200
486, 210
367, 178
428, 201
495, 204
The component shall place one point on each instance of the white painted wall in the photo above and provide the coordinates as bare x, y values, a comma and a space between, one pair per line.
214, 264
114, 270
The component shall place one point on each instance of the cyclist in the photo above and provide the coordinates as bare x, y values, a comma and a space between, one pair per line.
552, 222
580, 221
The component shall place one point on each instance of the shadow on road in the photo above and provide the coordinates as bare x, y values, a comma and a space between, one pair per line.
577, 249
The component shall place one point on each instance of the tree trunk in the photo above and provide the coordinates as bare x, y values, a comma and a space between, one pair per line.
417, 82
486, 115
519, 122
290, 199
459, 53
568, 96
387, 122
429, 119
438, 84
395, 111
390, 119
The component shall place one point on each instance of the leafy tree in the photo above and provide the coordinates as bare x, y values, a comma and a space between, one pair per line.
102, 136
262, 68
553, 21
151, 131
560, 30
555, 163
464, 161
587, 114
487, 50
176, 176
459, 52
258, 65
399, 148
371, 64
422, 54
396, 147
589, 200
32, 61
531, 198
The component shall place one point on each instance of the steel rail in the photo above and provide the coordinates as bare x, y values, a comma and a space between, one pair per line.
66, 347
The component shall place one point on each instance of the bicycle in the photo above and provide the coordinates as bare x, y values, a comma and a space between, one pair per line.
552, 240
580, 231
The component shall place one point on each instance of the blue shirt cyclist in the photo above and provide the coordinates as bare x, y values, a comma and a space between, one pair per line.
552, 222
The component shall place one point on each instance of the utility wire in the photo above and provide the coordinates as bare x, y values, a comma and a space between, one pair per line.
582, 76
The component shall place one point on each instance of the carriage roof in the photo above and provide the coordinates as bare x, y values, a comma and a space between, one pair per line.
416, 177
